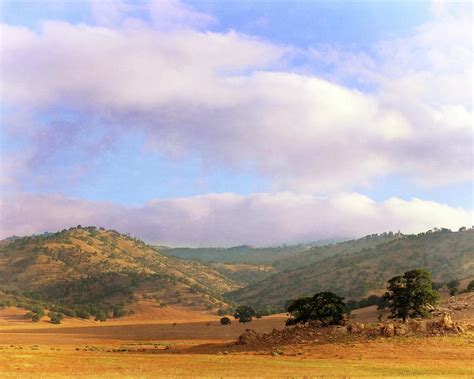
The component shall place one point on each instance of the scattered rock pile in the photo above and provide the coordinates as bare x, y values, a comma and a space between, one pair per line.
456, 304
313, 332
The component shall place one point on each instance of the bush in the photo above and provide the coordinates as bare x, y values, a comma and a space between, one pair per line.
225, 321
56, 317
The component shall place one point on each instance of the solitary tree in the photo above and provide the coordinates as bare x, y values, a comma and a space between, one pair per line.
56, 317
225, 321
453, 287
410, 295
326, 307
244, 313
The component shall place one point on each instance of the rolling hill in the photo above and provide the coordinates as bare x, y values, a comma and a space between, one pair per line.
237, 254
355, 273
93, 265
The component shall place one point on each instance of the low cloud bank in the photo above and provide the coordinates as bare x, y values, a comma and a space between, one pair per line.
228, 219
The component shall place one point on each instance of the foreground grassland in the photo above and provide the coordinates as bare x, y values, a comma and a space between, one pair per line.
198, 346
436, 357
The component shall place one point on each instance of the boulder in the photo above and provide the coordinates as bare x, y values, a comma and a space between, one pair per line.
401, 329
388, 330
446, 322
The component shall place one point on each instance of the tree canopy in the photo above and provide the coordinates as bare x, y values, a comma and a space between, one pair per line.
326, 307
410, 295
244, 313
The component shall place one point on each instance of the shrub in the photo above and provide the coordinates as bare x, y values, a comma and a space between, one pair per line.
225, 321
56, 317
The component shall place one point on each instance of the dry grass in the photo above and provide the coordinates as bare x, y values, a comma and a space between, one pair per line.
146, 346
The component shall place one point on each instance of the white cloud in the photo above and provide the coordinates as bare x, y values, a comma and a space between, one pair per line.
232, 100
230, 219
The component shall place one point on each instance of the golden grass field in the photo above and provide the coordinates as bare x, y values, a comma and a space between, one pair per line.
149, 345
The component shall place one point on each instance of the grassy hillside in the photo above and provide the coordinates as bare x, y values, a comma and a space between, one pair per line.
90, 265
446, 254
244, 274
238, 254
319, 253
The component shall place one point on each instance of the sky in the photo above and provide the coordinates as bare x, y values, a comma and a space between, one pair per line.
220, 123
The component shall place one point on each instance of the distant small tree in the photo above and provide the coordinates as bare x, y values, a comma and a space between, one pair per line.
101, 316
119, 311
35, 314
453, 287
225, 321
470, 286
82, 313
410, 295
326, 307
55, 317
244, 313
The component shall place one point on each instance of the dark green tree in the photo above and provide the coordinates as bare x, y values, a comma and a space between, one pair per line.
300, 310
410, 295
244, 313
225, 321
453, 287
101, 316
55, 317
326, 307
119, 311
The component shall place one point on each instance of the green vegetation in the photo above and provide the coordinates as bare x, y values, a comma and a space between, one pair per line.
100, 316
410, 295
238, 254
55, 317
355, 273
89, 271
326, 307
225, 321
244, 314
453, 286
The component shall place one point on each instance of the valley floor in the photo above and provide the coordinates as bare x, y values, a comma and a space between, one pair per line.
145, 348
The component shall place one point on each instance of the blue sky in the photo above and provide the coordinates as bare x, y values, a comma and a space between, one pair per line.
314, 99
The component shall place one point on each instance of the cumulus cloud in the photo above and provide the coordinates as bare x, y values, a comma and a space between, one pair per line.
230, 219
234, 101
